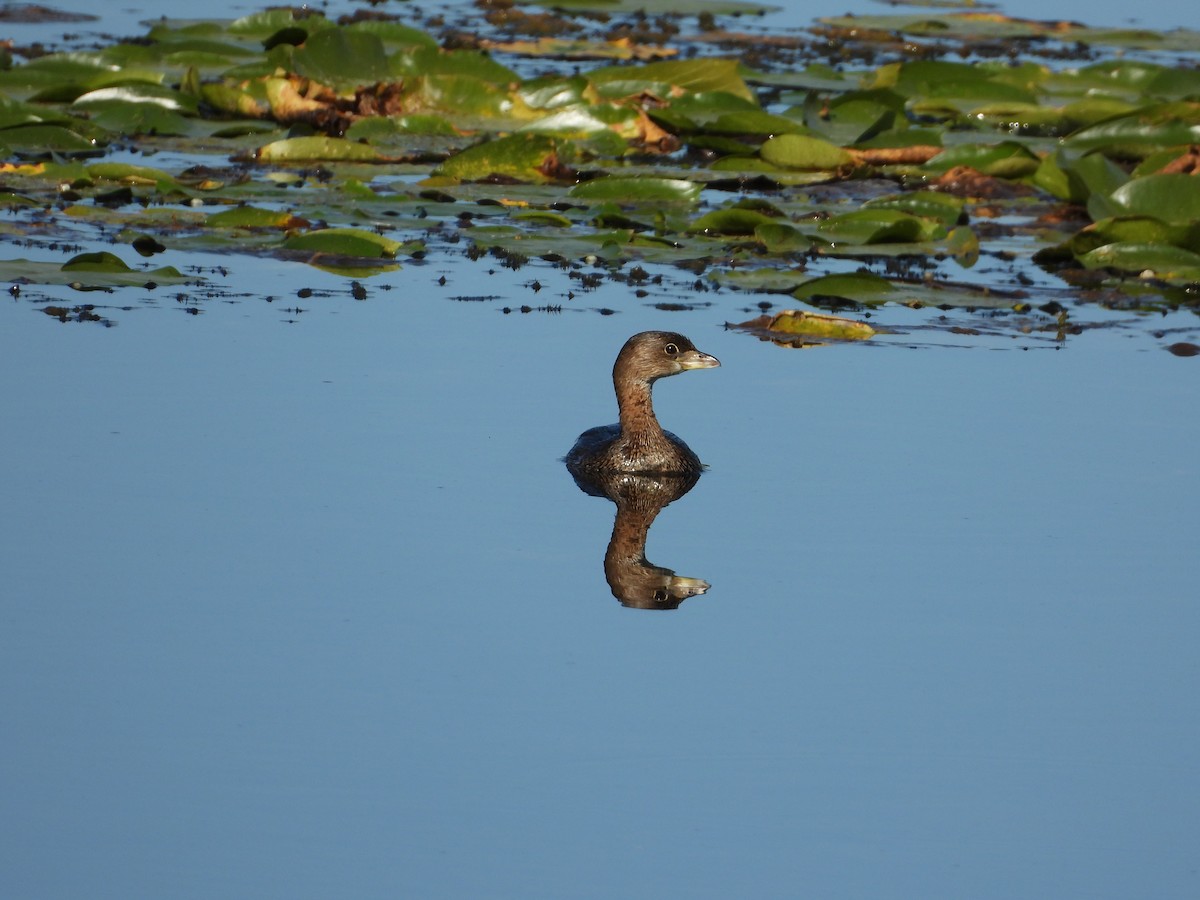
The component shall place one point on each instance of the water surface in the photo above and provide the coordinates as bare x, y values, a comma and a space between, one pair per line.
300, 602
310, 609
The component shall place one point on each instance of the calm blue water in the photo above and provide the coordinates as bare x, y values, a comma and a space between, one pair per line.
303, 605
310, 610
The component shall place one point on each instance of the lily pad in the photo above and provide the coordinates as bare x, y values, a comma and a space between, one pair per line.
125, 173
39, 139
89, 271
1171, 198
940, 207
857, 287
344, 242
343, 56
1006, 159
140, 94
879, 226
1158, 260
637, 190
791, 323
525, 157
309, 149
797, 151
1142, 130
672, 78
731, 221
251, 217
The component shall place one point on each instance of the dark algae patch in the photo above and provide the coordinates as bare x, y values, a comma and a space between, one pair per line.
963, 161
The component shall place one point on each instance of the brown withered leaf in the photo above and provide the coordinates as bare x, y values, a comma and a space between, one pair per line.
1187, 163
964, 181
652, 137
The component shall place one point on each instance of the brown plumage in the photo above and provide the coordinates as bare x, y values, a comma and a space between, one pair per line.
638, 444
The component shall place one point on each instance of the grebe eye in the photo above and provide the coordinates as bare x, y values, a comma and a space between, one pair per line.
671, 349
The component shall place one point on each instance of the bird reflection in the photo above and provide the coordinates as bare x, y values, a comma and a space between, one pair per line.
634, 580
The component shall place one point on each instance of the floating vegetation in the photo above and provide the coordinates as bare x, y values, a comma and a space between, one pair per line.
952, 159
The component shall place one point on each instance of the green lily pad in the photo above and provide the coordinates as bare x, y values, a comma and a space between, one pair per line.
95, 262
89, 271
251, 217
1020, 118
464, 97
819, 326
1143, 130
879, 226
48, 138
265, 23
343, 56
379, 129
1158, 260
431, 61
394, 34
854, 117
940, 207
14, 113
754, 122
963, 244
140, 94
1091, 180
125, 173
797, 151
526, 157
731, 221
344, 242
1127, 230
672, 77
857, 287
142, 118
1006, 159
8, 199
637, 190
308, 149
543, 217
575, 121
777, 237
1171, 198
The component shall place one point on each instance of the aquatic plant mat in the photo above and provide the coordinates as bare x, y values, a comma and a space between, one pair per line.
1023, 176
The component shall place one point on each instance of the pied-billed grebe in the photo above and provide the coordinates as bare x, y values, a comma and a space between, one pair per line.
638, 443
